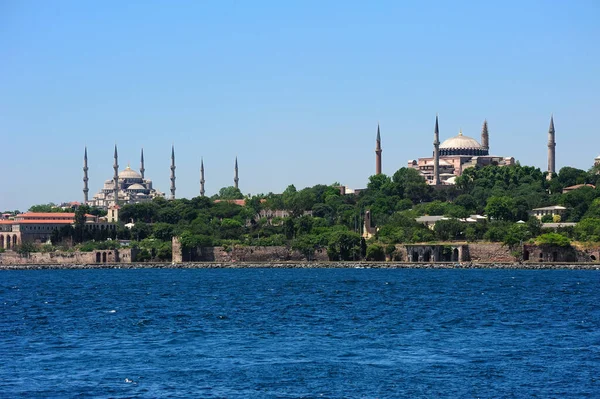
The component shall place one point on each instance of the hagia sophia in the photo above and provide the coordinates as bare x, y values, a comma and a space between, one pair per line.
454, 155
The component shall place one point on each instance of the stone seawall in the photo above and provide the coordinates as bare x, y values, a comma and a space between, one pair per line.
63, 258
240, 253
310, 265
490, 252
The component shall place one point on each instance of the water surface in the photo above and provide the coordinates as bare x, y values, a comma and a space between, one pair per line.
277, 333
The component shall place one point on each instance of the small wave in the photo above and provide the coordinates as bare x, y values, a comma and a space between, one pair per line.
112, 311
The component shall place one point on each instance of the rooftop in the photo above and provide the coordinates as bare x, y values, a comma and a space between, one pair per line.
460, 142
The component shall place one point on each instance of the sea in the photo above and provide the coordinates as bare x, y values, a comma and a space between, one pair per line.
299, 333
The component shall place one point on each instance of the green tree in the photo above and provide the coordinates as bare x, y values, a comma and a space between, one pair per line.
230, 193
163, 231
500, 208
375, 252
553, 240
516, 235
450, 229
26, 248
343, 245
588, 229
46, 208
231, 229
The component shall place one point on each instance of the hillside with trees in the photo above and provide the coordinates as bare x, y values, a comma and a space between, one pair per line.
320, 217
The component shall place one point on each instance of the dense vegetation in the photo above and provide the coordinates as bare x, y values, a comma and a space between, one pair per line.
320, 217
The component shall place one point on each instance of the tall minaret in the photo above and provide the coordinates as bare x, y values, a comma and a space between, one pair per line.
85, 177
173, 172
142, 169
485, 137
436, 153
551, 148
116, 177
202, 181
378, 153
236, 177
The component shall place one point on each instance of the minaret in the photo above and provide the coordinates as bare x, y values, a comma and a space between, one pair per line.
202, 177
436, 153
85, 177
142, 169
485, 137
236, 177
551, 148
378, 153
173, 172
116, 177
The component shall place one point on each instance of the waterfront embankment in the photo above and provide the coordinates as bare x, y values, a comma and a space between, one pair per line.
308, 265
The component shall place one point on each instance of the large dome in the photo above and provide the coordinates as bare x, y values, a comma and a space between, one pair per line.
129, 173
461, 142
136, 186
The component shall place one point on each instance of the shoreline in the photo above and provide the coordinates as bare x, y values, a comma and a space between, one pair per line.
309, 265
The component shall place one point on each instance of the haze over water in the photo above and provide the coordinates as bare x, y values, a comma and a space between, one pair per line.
299, 333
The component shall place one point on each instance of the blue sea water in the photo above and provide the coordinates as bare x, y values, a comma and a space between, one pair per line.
294, 333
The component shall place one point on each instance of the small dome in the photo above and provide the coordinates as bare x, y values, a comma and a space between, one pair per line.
136, 186
461, 142
129, 173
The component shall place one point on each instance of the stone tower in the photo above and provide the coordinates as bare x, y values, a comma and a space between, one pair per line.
485, 137
173, 172
436, 153
116, 177
378, 153
551, 148
236, 178
202, 181
86, 190
142, 169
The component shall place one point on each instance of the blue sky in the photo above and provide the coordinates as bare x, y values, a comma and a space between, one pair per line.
294, 89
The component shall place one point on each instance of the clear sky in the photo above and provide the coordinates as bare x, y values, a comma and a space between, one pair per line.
293, 88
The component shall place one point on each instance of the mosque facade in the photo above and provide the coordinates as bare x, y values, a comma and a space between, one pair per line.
126, 187
455, 154
129, 186
451, 157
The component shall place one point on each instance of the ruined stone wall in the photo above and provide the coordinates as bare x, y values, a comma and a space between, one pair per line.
53, 258
242, 254
588, 255
257, 254
544, 254
490, 252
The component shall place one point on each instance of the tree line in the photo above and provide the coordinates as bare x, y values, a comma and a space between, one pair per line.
320, 218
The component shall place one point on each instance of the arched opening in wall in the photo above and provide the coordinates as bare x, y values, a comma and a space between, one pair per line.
455, 255
525, 255
98, 257
103, 257
14, 241
593, 257
7, 242
426, 256
1, 241
541, 256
